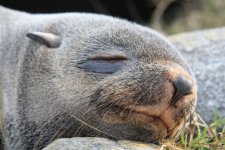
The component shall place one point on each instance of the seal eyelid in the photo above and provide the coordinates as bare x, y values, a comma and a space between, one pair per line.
108, 57
102, 64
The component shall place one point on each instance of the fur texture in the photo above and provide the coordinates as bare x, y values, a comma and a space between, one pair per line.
52, 92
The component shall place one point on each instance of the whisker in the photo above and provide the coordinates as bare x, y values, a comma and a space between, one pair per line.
44, 133
47, 122
77, 131
59, 129
68, 126
92, 127
88, 110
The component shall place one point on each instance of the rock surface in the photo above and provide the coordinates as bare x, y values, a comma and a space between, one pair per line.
205, 52
78, 143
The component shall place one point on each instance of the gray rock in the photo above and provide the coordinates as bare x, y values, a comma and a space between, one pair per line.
205, 52
79, 143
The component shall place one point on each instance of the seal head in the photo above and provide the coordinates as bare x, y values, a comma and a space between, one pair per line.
89, 75
135, 84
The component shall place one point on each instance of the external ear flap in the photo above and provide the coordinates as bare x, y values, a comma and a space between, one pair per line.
49, 39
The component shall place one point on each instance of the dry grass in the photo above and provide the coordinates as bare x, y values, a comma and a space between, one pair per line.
200, 136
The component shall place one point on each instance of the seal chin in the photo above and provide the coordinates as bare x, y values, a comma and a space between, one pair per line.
154, 121
152, 126
164, 125
157, 126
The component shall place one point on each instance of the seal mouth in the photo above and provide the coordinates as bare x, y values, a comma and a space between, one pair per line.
151, 118
162, 123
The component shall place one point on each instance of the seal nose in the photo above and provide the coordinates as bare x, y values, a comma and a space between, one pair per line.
183, 86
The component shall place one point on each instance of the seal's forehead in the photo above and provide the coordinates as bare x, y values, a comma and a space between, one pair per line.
105, 34
139, 43
107, 30
125, 35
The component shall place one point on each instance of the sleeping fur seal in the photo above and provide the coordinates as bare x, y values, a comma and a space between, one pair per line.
80, 74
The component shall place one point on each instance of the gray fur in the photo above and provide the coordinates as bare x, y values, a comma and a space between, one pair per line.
44, 94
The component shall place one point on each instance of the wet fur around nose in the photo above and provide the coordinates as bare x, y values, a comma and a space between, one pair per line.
52, 83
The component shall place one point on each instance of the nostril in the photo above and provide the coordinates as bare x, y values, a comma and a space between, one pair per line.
182, 87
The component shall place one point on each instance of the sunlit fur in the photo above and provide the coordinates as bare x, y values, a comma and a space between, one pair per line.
45, 96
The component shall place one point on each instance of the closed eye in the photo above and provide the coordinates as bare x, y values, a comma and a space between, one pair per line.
103, 63
108, 57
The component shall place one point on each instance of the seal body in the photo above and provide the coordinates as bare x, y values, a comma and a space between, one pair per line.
79, 74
